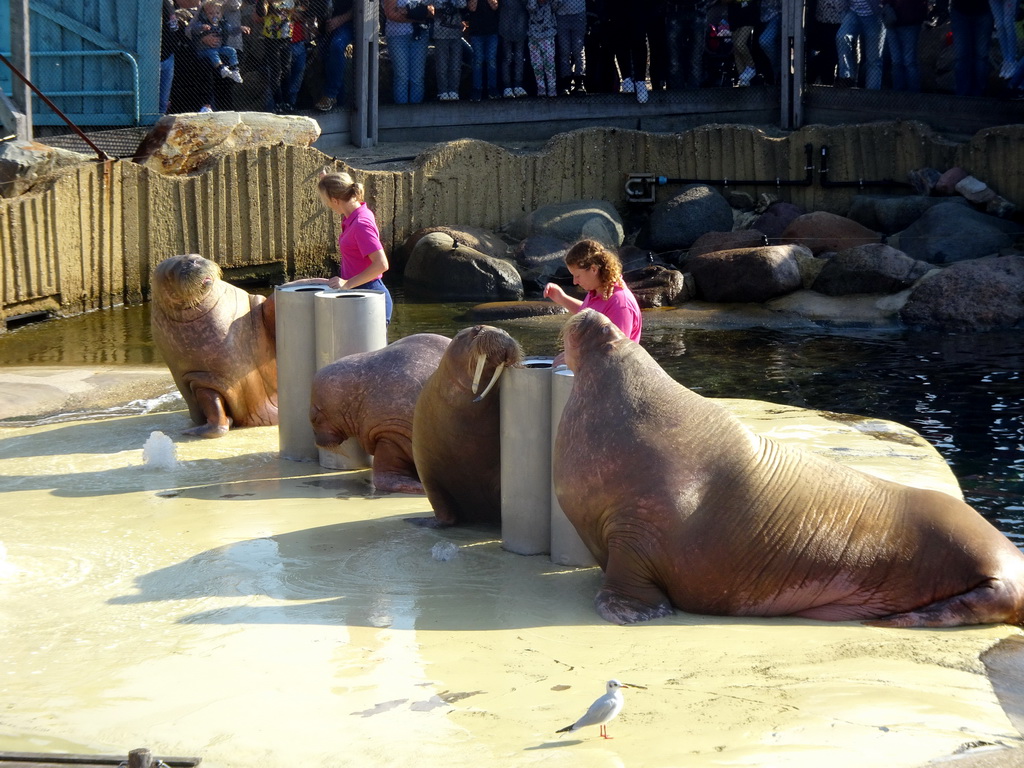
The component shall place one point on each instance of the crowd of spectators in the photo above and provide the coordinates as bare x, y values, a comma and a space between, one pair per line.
284, 55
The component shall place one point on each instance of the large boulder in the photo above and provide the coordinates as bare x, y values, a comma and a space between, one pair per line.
657, 286
190, 143
727, 241
953, 232
979, 295
891, 213
27, 164
572, 221
747, 274
776, 217
439, 268
873, 268
821, 231
694, 211
477, 238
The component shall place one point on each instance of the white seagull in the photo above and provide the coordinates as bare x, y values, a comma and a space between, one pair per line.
603, 710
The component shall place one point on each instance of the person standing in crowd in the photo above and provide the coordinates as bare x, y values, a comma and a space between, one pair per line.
447, 34
598, 271
407, 32
275, 20
170, 39
743, 18
1004, 16
238, 26
972, 24
571, 20
512, 16
631, 21
861, 20
770, 38
541, 32
686, 31
304, 28
362, 261
902, 32
208, 30
337, 30
822, 26
482, 31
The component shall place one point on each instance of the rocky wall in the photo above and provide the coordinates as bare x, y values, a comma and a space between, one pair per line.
89, 238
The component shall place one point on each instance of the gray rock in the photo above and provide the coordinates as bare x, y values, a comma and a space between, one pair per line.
890, 213
511, 310
953, 232
975, 190
540, 252
656, 286
727, 241
678, 222
873, 268
924, 180
747, 274
26, 164
441, 269
776, 218
572, 221
477, 238
978, 295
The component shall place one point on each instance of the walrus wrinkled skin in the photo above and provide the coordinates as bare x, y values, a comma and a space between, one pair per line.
371, 396
218, 342
684, 506
456, 441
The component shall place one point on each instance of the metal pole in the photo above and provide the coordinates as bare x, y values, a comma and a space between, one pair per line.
21, 52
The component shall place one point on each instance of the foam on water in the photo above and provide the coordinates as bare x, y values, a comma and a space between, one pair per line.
159, 452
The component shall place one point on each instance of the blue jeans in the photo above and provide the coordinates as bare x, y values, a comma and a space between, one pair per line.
334, 83
217, 57
166, 79
872, 33
298, 70
902, 42
571, 31
1004, 15
769, 41
378, 285
485, 53
408, 67
971, 35
685, 29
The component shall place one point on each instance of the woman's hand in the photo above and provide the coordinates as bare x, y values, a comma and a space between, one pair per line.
553, 291
336, 283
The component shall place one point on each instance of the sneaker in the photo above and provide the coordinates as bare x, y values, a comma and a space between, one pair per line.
234, 74
627, 85
508, 93
518, 91
746, 76
326, 104
224, 71
641, 91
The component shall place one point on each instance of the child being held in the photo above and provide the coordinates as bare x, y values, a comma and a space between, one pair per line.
208, 30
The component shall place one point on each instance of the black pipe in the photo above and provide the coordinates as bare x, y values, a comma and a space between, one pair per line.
102, 155
824, 180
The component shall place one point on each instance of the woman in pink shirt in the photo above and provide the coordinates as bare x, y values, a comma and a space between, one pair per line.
362, 258
598, 271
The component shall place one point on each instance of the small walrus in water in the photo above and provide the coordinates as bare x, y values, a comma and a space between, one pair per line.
219, 343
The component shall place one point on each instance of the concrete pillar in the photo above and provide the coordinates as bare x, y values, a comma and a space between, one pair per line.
567, 548
347, 322
296, 365
526, 457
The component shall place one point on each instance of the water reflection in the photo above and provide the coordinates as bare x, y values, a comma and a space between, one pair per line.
963, 393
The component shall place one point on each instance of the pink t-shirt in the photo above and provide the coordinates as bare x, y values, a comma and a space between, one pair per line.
621, 308
358, 239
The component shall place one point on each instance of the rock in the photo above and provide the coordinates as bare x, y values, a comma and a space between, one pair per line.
946, 185
511, 310
678, 222
540, 252
975, 190
1001, 207
747, 274
441, 269
477, 238
656, 286
953, 232
923, 180
859, 311
572, 221
872, 268
891, 213
739, 200
632, 258
727, 241
27, 164
822, 231
811, 266
979, 295
187, 144
776, 218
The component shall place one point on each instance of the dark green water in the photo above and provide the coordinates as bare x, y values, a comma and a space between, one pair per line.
963, 393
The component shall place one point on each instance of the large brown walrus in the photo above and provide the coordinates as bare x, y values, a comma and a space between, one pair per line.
456, 441
218, 342
371, 396
684, 506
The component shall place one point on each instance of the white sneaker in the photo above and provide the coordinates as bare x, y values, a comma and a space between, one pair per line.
508, 93
641, 91
224, 71
519, 91
627, 85
235, 75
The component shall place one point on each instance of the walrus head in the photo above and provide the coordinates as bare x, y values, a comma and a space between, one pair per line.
588, 329
484, 346
183, 282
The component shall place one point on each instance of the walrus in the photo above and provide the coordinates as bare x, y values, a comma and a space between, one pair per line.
683, 506
219, 343
372, 396
456, 440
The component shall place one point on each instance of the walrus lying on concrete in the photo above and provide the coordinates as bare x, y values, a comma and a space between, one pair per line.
372, 396
456, 440
218, 342
684, 506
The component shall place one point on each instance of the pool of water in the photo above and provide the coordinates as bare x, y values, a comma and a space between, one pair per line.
963, 393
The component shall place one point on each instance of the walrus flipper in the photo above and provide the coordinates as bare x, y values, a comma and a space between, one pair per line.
621, 609
994, 601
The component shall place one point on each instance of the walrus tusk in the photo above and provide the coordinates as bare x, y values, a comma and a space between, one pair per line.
479, 372
491, 383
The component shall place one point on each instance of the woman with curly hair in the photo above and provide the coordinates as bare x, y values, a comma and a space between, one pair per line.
598, 271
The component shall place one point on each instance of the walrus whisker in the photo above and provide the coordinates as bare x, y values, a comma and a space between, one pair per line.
479, 372
493, 381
